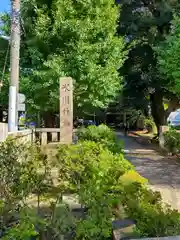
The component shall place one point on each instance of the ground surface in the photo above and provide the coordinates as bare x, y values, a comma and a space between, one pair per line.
163, 173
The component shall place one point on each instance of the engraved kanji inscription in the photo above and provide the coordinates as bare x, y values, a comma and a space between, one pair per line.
65, 87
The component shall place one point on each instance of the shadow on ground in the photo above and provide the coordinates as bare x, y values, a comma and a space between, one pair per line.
162, 172
158, 169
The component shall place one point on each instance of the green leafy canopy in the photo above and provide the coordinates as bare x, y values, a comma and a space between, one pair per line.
77, 39
168, 57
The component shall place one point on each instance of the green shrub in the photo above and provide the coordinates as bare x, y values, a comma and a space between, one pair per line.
24, 228
104, 181
150, 125
98, 222
153, 218
172, 141
78, 163
74, 161
131, 177
101, 134
24, 172
95, 172
175, 127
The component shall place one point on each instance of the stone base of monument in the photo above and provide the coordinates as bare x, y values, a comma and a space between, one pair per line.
123, 229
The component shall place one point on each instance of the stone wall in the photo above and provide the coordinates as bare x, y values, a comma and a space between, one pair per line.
23, 135
3, 131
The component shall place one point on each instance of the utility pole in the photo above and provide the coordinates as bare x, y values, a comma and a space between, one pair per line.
14, 65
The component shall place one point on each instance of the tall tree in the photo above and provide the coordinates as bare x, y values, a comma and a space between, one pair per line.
168, 57
71, 38
147, 23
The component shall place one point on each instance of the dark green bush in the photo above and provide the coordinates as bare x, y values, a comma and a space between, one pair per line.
101, 134
172, 141
175, 127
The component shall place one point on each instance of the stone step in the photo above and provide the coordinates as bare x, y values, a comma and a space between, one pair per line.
123, 229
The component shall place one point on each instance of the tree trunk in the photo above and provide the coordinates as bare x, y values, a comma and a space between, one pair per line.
49, 120
157, 109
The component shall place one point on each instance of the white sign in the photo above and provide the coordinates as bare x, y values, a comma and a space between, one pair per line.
21, 98
21, 107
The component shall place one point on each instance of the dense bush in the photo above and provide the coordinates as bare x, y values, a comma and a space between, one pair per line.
96, 173
24, 173
101, 134
104, 181
110, 181
153, 218
81, 162
172, 141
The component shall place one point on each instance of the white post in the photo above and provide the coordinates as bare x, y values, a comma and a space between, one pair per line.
54, 137
14, 66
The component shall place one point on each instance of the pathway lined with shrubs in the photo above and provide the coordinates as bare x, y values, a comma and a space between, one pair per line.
100, 183
163, 173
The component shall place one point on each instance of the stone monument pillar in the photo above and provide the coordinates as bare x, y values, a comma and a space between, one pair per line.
66, 110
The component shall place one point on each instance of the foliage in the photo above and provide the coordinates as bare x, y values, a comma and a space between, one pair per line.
168, 57
103, 181
153, 218
111, 181
12, 187
67, 38
10, 166
175, 127
26, 176
147, 24
62, 223
150, 125
94, 171
101, 134
76, 163
98, 223
24, 172
172, 141
24, 228
132, 176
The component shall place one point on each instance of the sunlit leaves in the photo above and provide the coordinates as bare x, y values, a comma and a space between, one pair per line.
76, 39
169, 57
